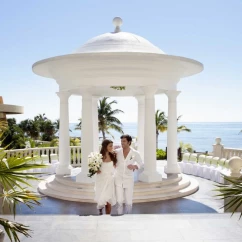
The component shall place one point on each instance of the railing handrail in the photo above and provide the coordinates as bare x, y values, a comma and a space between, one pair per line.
229, 148
46, 152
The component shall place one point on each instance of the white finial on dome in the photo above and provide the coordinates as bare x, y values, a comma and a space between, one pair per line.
117, 22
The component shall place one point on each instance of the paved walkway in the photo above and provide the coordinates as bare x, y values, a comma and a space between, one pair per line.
161, 227
195, 218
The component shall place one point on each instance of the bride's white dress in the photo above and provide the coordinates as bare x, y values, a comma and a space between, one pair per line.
104, 186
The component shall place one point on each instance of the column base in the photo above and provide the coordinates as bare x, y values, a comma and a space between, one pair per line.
150, 177
83, 178
63, 170
172, 169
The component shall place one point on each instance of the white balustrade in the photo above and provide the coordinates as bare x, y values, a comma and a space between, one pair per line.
230, 152
48, 153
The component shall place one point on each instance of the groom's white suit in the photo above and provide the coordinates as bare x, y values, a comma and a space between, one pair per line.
124, 178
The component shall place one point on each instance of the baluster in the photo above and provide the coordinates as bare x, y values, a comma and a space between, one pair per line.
74, 155
78, 155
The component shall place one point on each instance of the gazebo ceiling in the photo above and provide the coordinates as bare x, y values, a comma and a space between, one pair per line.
110, 92
117, 59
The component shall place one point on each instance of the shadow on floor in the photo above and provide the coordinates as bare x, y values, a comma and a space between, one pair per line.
55, 206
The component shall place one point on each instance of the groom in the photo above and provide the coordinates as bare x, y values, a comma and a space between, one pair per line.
128, 160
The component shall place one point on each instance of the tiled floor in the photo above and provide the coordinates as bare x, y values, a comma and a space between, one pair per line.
161, 227
196, 218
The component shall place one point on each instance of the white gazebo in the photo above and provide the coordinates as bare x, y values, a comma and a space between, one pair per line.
118, 59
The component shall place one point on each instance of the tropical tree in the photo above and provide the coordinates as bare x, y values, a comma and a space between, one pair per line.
40, 117
13, 188
31, 128
13, 135
79, 125
186, 147
182, 128
161, 122
106, 118
48, 130
57, 124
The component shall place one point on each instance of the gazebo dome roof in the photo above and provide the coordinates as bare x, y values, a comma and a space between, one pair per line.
118, 42
117, 59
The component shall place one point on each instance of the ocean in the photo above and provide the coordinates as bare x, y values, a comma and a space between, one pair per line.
202, 135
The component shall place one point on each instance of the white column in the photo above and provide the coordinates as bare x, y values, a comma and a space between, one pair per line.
95, 123
64, 166
86, 136
172, 165
150, 173
141, 124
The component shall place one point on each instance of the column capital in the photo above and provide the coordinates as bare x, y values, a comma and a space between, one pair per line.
87, 95
95, 98
140, 98
149, 91
172, 94
63, 95
86, 92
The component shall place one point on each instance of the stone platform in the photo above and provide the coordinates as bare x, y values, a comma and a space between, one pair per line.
66, 187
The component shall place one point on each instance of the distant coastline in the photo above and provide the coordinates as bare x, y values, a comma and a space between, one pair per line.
201, 138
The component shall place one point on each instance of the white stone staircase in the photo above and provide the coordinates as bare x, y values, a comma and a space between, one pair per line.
66, 188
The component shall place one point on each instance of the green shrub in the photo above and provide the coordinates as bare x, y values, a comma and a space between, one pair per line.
160, 154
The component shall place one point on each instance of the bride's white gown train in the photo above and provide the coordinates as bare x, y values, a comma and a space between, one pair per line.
104, 186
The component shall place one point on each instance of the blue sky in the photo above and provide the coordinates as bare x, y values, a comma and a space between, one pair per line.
208, 31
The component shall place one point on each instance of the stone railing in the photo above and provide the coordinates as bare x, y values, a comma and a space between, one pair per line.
230, 152
47, 153
225, 152
32, 151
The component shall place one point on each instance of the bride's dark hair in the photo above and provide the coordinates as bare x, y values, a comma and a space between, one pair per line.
104, 150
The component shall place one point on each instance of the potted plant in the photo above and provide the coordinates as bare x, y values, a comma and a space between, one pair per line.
14, 189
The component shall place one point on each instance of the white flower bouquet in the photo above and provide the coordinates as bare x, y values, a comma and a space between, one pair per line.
95, 160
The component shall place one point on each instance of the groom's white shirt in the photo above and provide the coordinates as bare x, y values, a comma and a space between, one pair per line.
123, 176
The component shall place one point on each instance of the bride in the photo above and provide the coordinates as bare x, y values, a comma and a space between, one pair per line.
104, 186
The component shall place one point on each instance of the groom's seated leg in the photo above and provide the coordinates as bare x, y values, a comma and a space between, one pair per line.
128, 194
120, 199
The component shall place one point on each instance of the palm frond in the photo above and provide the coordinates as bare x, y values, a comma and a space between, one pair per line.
3, 126
183, 128
12, 228
232, 192
24, 196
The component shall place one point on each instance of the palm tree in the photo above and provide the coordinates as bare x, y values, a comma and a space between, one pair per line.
49, 130
57, 124
182, 127
161, 122
13, 189
13, 136
79, 125
106, 118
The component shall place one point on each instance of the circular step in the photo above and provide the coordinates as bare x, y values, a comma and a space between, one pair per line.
66, 188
